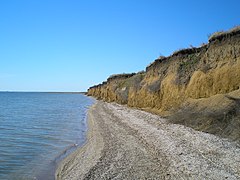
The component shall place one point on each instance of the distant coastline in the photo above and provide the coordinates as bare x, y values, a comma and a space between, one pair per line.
58, 92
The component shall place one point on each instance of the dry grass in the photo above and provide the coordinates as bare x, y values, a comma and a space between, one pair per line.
133, 81
123, 75
159, 59
222, 34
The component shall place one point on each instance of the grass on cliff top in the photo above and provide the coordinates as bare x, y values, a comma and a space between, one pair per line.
133, 81
220, 34
160, 58
123, 75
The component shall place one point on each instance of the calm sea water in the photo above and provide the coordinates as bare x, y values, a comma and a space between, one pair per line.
37, 130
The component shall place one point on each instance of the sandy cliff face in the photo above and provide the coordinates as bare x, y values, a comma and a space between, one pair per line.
196, 78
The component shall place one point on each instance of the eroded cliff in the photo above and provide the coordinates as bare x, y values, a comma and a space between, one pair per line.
197, 87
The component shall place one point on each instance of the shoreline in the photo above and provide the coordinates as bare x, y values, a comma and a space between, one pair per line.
88, 153
125, 143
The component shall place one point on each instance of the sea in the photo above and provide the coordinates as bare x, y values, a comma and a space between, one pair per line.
38, 130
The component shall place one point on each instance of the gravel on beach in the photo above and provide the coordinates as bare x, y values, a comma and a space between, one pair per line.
126, 143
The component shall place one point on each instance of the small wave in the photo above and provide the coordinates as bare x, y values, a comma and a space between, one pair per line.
67, 151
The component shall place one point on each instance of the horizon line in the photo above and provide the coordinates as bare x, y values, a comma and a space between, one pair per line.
44, 91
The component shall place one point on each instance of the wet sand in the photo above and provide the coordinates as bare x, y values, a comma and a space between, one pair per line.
125, 143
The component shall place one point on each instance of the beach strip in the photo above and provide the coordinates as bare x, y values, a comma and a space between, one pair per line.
126, 143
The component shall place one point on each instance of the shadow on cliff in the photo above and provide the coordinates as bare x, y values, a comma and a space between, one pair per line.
222, 119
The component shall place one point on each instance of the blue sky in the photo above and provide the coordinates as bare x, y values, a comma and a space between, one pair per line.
69, 45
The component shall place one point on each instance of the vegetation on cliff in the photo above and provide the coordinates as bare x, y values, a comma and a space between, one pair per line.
197, 87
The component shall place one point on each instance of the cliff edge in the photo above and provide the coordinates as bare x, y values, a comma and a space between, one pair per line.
197, 87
